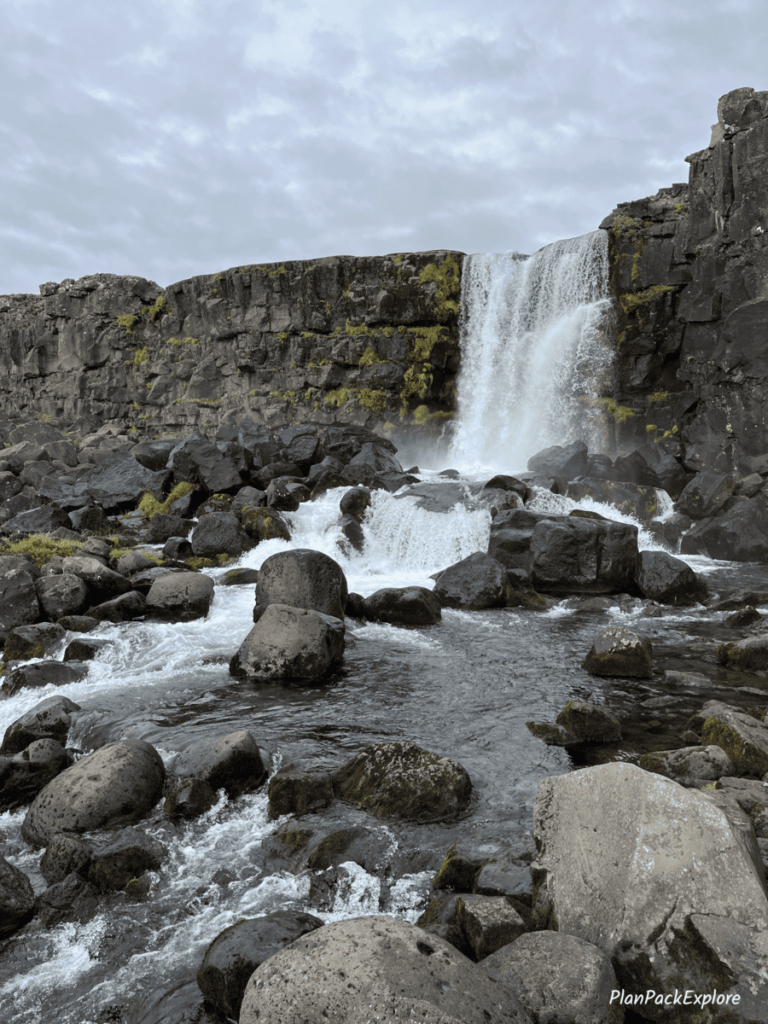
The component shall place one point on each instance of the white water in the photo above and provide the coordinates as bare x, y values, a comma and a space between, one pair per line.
532, 346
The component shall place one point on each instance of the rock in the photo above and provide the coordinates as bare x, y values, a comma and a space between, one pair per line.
501, 482
177, 548
103, 583
116, 785
488, 923
650, 861
355, 502
45, 519
71, 900
239, 577
231, 762
636, 500
402, 780
64, 854
179, 597
78, 623
124, 608
704, 495
668, 580
114, 864
18, 599
164, 525
375, 967
92, 517
198, 461
133, 561
301, 444
403, 606
273, 470
567, 462
557, 977
589, 723
116, 483
23, 776
64, 594
477, 581
281, 495
17, 899
689, 764
9, 485
264, 524
565, 554
618, 651
289, 643
744, 617
353, 532
48, 719
293, 791
750, 654
355, 606
743, 738
33, 641
738, 535
188, 798
153, 455
219, 533
371, 461
235, 953
303, 578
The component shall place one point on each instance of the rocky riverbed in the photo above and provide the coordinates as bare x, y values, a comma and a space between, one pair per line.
271, 700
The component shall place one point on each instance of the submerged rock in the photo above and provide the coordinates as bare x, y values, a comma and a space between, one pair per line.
232, 762
403, 606
618, 651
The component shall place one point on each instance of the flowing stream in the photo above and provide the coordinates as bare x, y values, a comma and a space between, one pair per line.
463, 688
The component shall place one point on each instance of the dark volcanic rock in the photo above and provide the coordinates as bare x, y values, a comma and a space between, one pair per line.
704, 495
41, 673
179, 597
219, 533
477, 581
64, 594
23, 776
739, 535
231, 762
303, 578
568, 462
620, 652
198, 461
668, 580
17, 899
290, 643
404, 606
18, 599
49, 719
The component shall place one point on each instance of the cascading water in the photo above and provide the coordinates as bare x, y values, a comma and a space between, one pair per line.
533, 344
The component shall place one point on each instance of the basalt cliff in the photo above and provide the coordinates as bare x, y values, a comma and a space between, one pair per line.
375, 341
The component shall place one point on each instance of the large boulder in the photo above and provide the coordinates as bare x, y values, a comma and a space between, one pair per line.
303, 578
370, 465
567, 462
18, 599
44, 519
219, 533
115, 785
290, 643
198, 461
33, 641
477, 581
41, 673
689, 765
560, 979
301, 444
743, 738
49, 719
738, 535
749, 654
704, 495
103, 582
668, 580
636, 500
180, 597
117, 482
618, 651
565, 554
402, 780
23, 776
657, 877
375, 968
63, 594
235, 953
17, 899
231, 762
403, 606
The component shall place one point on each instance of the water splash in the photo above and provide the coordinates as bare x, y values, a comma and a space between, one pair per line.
533, 344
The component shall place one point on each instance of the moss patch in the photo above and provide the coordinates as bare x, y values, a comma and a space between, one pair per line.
150, 506
41, 548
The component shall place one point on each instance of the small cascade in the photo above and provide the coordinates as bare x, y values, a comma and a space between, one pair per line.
534, 352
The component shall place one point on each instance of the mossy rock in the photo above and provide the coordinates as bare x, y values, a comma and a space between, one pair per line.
750, 654
264, 524
749, 758
460, 868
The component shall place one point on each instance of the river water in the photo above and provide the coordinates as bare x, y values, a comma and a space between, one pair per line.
463, 688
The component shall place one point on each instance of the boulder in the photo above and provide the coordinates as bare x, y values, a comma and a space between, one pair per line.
264, 524
656, 877
668, 580
636, 500
558, 978
293, 791
743, 738
219, 533
743, 617
34, 641
231, 762
18, 599
704, 495
91, 517
71, 900
738, 535
273, 470
579, 722
9, 485
618, 651
355, 502
301, 443
179, 597
353, 532
23, 776
103, 582
45, 519
177, 548
41, 673
689, 764
749, 654
114, 864
188, 798
116, 483
371, 461
153, 455
17, 899
303, 578
290, 643
403, 606
116, 785
345, 441
235, 953
198, 461
239, 577
63, 594
402, 780
488, 923
567, 462
164, 525
477, 581
375, 968
285, 495
64, 854
48, 719
124, 608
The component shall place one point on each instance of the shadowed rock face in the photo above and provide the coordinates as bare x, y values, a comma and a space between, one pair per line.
290, 342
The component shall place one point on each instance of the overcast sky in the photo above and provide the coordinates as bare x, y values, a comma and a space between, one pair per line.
180, 137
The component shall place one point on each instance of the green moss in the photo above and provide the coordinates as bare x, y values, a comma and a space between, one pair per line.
150, 506
182, 341
681, 208
620, 413
373, 399
141, 356
286, 396
157, 310
200, 563
128, 322
337, 398
651, 428
658, 396
630, 301
357, 329
269, 271
447, 276
282, 337
295, 839
747, 759
416, 383
422, 415
422, 340
369, 358
40, 548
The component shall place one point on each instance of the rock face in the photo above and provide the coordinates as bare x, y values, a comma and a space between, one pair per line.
116, 785
288, 342
375, 968
655, 876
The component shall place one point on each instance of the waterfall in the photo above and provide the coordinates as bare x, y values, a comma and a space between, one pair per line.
534, 351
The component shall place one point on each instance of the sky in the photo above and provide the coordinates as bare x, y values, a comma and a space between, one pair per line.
170, 138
